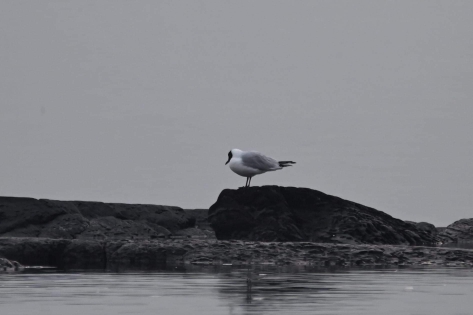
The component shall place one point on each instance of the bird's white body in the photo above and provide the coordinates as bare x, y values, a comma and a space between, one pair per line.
237, 166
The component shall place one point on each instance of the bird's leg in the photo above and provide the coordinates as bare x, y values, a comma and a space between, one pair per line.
246, 185
249, 181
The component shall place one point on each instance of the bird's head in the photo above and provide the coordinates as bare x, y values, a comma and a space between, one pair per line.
233, 153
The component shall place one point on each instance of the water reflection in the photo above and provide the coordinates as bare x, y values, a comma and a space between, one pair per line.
467, 244
338, 291
226, 290
300, 290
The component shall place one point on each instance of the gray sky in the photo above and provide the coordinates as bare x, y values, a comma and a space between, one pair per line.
140, 101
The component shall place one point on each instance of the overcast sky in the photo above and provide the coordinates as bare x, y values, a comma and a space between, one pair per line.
140, 101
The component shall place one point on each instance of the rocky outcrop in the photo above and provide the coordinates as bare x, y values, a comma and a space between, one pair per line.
28, 217
7, 265
201, 218
257, 225
272, 213
169, 253
460, 232
60, 253
202, 227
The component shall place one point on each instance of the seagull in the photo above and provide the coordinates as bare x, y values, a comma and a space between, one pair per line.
251, 163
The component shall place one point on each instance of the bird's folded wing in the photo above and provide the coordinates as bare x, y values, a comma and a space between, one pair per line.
259, 161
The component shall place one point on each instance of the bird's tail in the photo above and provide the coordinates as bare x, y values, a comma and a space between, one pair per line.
286, 163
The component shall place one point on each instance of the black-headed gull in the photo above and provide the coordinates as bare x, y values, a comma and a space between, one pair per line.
251, 163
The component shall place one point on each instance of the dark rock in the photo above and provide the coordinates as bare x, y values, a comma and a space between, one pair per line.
460, 231
201, 217
131, 255
272, 213
64, 254
64, 226
21, 213
82, 254
202, 228
440, 229
28, 217
7, 265
196, 233
111, 227
427, 227
167, 253
34, 251
159, 230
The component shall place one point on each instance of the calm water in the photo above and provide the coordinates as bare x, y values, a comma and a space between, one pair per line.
224, 291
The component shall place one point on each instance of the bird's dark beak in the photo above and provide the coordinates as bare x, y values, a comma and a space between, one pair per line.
230, 155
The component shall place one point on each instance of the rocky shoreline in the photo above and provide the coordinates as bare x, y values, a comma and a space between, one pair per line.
258, 225
161, 254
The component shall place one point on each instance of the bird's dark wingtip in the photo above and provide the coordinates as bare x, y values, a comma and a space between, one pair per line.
286, 163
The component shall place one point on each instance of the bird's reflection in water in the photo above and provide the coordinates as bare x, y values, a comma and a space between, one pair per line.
248, 289
264, 288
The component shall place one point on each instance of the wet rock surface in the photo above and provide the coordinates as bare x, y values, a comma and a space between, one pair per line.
28, 217
7, 265
273, 213
460, 231
159, 254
